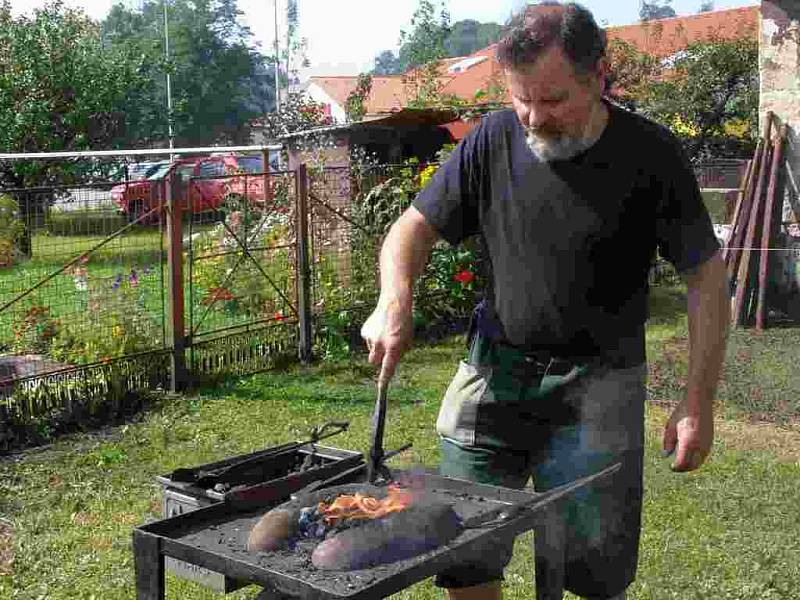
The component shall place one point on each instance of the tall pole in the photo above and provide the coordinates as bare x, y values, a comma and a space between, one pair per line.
277, 61
169, 83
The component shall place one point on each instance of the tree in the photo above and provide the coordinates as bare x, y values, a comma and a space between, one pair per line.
297, 113
355, 106
706, 6
469, 36
421, 51
61, 89
710, 92
425, 42
658, 9
219, 82
387, 63
631, 73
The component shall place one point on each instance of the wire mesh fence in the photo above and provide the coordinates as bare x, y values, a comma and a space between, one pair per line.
242, 301
80, 290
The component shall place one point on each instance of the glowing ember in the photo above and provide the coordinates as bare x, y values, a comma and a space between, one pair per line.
360, 506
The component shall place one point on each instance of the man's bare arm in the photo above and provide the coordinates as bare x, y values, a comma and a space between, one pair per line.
709, 314
690, 429
389, 330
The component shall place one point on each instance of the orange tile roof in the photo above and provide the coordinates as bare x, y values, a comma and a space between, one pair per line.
664, 37
661, 38
387, 93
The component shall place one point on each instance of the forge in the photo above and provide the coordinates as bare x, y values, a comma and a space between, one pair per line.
217, 538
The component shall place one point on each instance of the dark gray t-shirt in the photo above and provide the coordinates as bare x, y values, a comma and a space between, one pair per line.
570, 243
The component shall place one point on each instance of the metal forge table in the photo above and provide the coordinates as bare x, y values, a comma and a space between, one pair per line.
215, 538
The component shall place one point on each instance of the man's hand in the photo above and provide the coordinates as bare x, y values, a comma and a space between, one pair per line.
389, 329
689, 436
388, 333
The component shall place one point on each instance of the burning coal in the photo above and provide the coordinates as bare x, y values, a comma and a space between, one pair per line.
358, 528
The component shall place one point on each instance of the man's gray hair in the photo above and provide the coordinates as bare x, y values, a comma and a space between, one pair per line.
537, 27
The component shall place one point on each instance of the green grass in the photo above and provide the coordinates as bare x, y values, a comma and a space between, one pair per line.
758, 380
729, 531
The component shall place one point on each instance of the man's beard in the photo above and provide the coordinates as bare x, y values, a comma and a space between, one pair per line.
555, 145
560, 147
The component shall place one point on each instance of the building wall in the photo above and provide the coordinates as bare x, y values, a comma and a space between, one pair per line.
317, 94
780, 93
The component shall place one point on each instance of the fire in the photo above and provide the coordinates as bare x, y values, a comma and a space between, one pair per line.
361, 506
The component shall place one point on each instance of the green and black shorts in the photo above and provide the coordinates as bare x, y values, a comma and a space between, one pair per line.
506, 419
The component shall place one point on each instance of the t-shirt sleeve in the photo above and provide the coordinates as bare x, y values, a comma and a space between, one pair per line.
684, 232
450, 200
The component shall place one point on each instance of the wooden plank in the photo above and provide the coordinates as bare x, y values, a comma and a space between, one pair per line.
740, 224
743, 279
173, 192
739, 201
766, 233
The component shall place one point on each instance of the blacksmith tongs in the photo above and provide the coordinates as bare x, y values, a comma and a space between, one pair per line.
375, 463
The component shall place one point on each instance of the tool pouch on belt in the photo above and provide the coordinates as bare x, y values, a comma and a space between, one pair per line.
495, 394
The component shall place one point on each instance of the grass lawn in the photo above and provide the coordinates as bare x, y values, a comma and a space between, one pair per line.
729, 531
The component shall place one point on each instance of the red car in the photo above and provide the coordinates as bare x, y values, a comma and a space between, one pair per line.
209, 182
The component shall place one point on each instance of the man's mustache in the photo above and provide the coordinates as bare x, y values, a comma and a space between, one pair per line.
545, 132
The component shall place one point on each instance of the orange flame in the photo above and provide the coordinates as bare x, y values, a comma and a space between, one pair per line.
360, 506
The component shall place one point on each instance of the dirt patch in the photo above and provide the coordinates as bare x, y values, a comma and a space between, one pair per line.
126, 519
782, 441
85, 519
6, 548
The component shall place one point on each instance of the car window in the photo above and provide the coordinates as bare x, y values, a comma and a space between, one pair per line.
185, 171
212, 168
161, 172
250, 164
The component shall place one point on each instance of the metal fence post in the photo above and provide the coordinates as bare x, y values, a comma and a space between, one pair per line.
177, 331
303, 266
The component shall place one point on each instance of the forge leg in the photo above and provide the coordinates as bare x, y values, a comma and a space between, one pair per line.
549, 552
149, 565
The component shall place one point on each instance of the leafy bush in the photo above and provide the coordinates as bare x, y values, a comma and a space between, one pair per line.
84, 222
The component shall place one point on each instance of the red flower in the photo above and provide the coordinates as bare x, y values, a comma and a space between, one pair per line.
464, 277
279, 316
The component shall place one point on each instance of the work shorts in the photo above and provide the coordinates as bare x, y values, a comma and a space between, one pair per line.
506, 419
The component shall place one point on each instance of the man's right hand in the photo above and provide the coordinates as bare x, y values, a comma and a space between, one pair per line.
388, 333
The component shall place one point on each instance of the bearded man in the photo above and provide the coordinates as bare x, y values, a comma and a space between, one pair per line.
572, 198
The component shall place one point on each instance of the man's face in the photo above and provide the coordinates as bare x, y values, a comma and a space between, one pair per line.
556, 106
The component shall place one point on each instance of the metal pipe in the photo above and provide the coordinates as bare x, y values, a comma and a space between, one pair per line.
144, 152
169, 83
277, 61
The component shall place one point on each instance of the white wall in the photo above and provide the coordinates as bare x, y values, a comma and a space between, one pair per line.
317, 94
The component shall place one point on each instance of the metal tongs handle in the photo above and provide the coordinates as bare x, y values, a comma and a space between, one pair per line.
375, 464
503, 515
